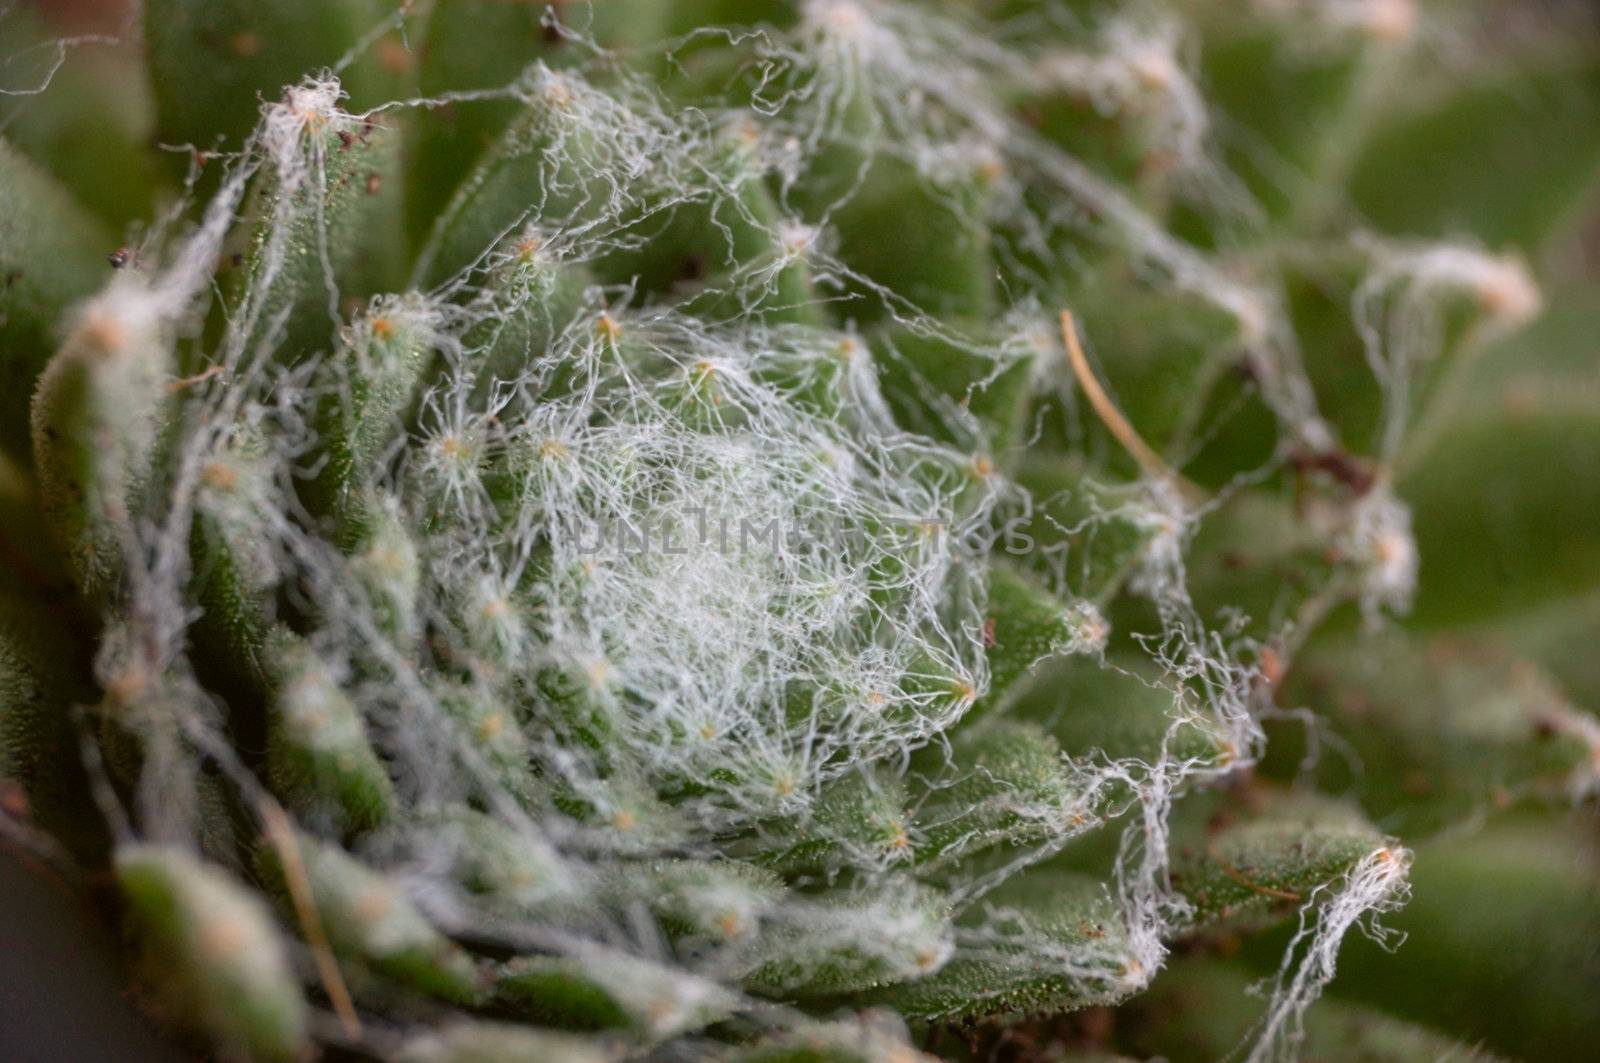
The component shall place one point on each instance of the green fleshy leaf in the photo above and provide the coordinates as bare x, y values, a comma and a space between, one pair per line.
485, 723
214, 954
1025, 627
51, 255
96, 418
1160, 354
236, 572
322, 222
559, 993
476, 45
385, 563
530, 299
1087, 533
507, 871
1432, 733
372, 924
1120, 710
1256, 870
368, 389
924, 238
968, 391
1423, 309
319, 758
1292, 91
548, 167
1265, 556
1559, 637
704, 255
1493, 155
1056, 945
1499, 949
1007, 783
847, 941
718, 901
857, 814
610, 991
1493, 502
41, 679
845, 1041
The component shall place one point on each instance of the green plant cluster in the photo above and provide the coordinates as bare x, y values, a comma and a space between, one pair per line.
812, 531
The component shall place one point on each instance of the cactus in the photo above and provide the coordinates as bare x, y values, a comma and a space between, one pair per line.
821, 530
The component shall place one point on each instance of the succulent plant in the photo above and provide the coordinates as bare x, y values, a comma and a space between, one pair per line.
817, 530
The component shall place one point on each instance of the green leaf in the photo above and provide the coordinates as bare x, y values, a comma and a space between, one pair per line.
236, 571
849, 940
1255, 870
719, 901
1288, 88
1055, 944
509, 872
1431, 733
603, 990
1119, 708
51, 255
859, 815
1499, 949
322, 223
1559, 637
213, 952
1494, 500
724, 253
559, 993
367, 390
387, 568
1025, 627
96, 418
844, 1041
319, 758
475, 45
530, 299
1087, 533
1494, 155
1264, 555
548, 167
1160, 353
1007, 783
923, 237
1423, 311
967, 390
486, 723
371, 923
42, 676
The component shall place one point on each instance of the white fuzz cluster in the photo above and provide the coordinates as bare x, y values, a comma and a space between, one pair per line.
1137, 70
1402, 309
1378, 539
